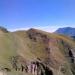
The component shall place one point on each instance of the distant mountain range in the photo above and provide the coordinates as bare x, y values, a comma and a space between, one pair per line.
69, 31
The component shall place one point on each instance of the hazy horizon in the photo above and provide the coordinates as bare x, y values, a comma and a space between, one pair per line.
47, 29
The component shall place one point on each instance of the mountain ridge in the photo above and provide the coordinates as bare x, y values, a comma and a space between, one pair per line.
68, 31
50, 53
3, 29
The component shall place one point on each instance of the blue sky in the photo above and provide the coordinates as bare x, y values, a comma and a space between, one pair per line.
41, 14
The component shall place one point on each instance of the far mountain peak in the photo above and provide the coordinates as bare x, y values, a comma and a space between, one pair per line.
69, 31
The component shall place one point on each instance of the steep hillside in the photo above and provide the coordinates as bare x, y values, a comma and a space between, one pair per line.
35, 52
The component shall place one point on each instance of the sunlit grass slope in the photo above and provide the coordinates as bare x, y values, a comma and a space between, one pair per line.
19, 43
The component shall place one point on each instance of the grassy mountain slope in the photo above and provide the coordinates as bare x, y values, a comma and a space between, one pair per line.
36, 45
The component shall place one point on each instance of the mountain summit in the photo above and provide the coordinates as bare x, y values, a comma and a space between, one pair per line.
2, 29
69, 31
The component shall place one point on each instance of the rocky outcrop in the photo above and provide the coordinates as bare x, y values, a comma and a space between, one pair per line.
35, 67
69, 51
52, 50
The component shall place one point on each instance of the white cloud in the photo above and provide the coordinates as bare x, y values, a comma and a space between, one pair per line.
45, 28
48, 28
